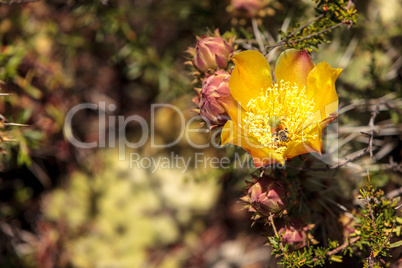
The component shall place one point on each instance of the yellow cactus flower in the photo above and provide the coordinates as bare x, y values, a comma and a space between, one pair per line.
278, 121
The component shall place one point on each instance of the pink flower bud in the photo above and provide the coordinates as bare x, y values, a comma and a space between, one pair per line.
248, 8
211, 53
295, 233
266, 196
215, 91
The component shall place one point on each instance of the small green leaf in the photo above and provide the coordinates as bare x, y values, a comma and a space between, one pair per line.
398, 230
336, 258
396, 244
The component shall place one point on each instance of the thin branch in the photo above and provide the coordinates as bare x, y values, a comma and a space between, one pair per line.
257, 35
389, 235
371, 125
271, 219
330, 167
394, 193
394, 166
370, 211
343, 246
302, 27
17, 2
392, 107
307, 37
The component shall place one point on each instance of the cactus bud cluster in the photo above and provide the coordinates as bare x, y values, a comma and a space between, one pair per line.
213, 94
249, 8
211, 53
295, 233
210, 59
265, 196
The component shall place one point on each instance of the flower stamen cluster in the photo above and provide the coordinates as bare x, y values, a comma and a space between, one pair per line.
292, 110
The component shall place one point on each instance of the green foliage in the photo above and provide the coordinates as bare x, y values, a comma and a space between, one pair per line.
330, 14
308, 256
10, 59
375, 222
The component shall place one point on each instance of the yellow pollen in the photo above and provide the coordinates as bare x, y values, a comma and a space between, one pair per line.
288, 103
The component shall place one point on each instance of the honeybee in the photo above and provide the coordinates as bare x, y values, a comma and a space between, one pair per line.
281, 135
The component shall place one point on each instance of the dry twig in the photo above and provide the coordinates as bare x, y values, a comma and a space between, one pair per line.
306, 37
17, 2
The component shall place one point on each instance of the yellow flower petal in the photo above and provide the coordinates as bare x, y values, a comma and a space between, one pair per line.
305, 90
328, 120
228, 134
308, 146
294, 66
269, 158
234, 110
233, 134
250, 77
321, 88
262, 155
